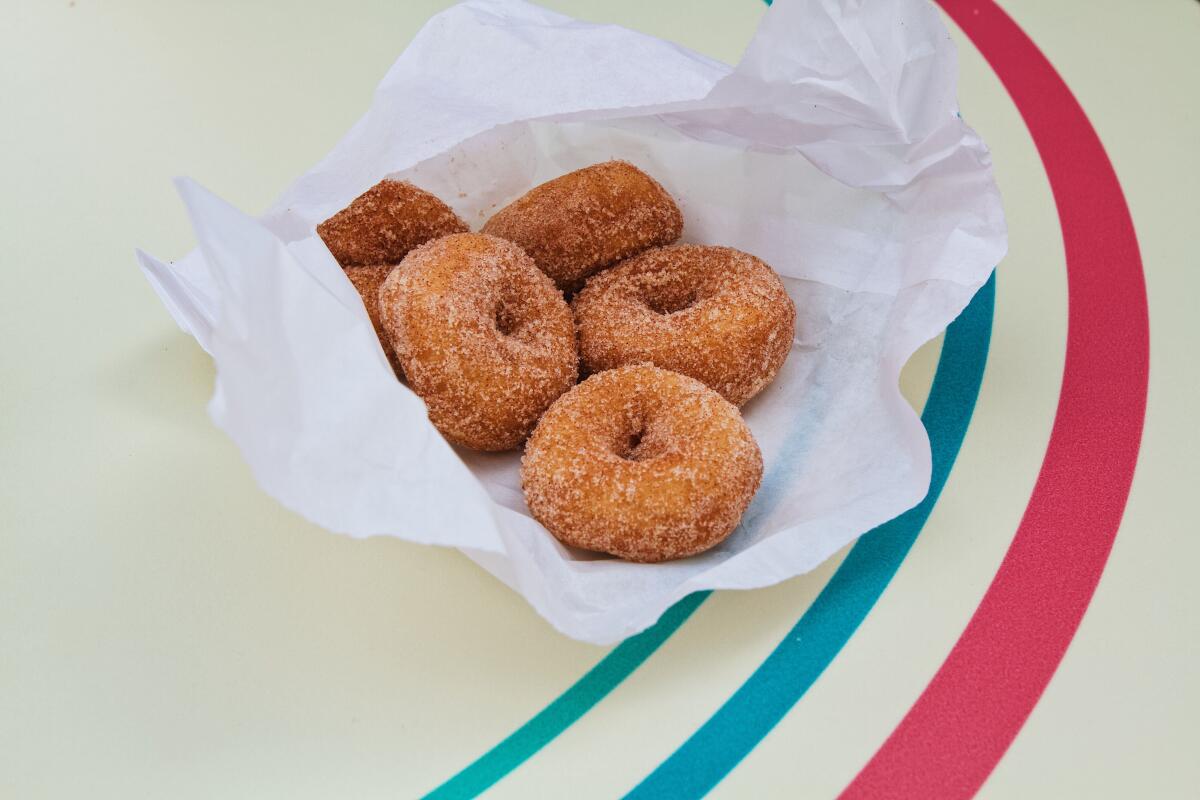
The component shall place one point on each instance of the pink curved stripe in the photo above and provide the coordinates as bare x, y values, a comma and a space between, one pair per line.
960, 727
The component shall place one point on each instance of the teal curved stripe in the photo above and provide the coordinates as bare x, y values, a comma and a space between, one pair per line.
857, 583
567, 708
767, 695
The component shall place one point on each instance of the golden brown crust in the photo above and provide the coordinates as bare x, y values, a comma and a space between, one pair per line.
641, 463
484, 337
714, 313
383, 223
586, 220
367, 280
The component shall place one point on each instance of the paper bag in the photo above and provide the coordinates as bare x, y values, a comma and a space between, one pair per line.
833, 151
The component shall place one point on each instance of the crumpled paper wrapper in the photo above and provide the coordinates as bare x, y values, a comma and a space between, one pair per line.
833, 151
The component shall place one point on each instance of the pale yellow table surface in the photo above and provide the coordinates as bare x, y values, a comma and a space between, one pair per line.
168, 630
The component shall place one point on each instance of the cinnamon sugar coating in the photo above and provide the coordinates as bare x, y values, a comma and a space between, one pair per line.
483, 336
586, 220
383, 223
714, 313
641, 463
367, 280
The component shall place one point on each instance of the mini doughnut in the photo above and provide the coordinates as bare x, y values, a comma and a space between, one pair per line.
717, 314
482, 335
586, 220
367, 280
641, 463
383, 223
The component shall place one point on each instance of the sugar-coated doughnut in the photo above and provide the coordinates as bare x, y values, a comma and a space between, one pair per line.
383, 223
367, 280
641, 463
588, 219
483, 336
717, 314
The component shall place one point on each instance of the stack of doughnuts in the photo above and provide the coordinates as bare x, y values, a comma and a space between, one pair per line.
648, 458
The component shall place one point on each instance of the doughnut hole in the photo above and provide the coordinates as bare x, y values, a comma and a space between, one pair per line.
508, 319
671, 299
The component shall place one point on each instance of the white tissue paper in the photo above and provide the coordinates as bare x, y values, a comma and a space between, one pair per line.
833, 151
